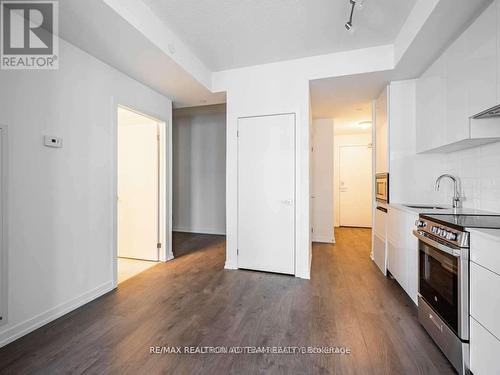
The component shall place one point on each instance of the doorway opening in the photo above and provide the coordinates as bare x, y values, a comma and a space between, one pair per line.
342, 156
141, 192
198, 179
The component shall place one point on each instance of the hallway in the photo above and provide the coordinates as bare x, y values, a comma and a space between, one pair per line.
192, 301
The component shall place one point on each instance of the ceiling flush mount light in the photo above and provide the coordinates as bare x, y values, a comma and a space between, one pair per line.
364, 125
353, 3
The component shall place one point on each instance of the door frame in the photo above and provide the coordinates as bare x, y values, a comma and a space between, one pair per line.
295, 174
369, 145
4, 250
165, 224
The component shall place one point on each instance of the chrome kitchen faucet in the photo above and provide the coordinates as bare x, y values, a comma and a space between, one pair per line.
457, 201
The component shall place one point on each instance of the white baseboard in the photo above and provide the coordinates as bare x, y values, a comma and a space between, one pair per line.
230, 266
322, 239
306, 275
199, 230
23, 328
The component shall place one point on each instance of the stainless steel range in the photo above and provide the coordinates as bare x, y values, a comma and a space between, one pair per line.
443, 303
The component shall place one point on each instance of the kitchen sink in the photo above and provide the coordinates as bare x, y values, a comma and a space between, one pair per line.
424, 207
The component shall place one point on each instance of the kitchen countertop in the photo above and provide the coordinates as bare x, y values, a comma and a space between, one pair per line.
491, 233
446, 211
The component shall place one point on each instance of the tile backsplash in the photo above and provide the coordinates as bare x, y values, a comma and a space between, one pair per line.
479, 171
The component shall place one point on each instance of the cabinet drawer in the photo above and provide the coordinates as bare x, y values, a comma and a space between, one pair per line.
485, 249
484, 351
485, 298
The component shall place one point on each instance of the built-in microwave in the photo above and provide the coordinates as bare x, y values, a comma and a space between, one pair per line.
382, 187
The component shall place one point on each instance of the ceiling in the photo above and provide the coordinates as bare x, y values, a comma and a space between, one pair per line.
227, 34
351, 125
348, 96
97, 29
129, 36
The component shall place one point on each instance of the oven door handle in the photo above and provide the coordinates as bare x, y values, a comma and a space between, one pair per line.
449, 250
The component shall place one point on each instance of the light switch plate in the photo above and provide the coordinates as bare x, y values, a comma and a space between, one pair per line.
51, 141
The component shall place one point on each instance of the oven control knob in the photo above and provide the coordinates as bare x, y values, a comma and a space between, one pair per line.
434, 229
451, 236
420, 224
443, 232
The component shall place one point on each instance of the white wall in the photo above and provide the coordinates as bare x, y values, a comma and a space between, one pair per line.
284, 88
343, 140
479, 171
322, 180
264, 94
199, 169
61, 201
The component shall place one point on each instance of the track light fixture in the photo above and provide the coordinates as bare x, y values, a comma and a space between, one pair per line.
348, 25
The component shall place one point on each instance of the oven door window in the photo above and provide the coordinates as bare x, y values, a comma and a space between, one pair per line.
381, 190
439, 282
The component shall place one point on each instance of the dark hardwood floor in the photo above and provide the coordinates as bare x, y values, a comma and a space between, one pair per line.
186, 243
192, 300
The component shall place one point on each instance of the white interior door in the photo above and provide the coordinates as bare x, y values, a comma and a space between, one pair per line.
266, 193
355, 186
138, 190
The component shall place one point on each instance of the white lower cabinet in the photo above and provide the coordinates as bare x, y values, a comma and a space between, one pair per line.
484, 351
402, 250
379, 238
485, 297
485, 302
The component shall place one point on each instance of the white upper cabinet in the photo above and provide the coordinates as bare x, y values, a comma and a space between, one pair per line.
461, 83
471, 74
381, 133
431, 107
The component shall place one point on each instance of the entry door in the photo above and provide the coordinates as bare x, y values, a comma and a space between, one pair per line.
138, 191
266, 193
355, 186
